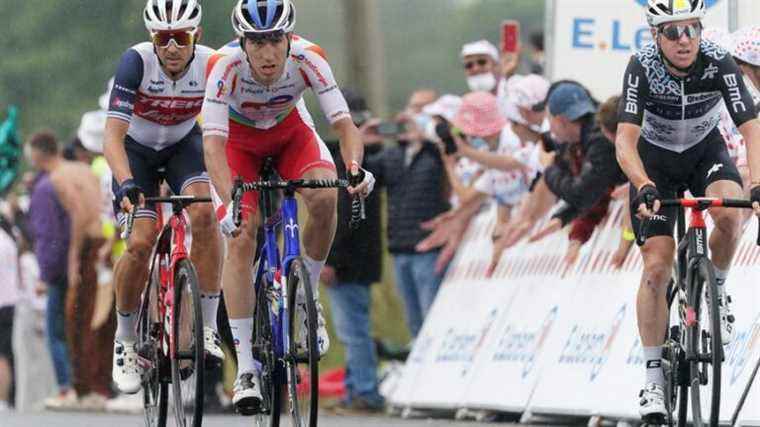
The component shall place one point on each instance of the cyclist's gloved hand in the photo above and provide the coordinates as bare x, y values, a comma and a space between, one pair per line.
363, 181
132, 192
649, 197
754, 195
224, 214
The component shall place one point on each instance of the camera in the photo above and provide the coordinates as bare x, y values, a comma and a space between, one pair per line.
390, 129
443, 130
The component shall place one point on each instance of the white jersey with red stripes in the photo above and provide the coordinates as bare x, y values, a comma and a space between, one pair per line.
232, 92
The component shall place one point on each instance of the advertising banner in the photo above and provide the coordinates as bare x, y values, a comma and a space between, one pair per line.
602, 35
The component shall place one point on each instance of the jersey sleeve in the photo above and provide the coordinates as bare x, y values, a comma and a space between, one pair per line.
318, 74
127, 81
219, 87
735, 92
631, 108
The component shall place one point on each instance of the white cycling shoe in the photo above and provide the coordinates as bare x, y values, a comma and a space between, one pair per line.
652, 404
126, 371
247, 394
212, 345
727, 330
323, 339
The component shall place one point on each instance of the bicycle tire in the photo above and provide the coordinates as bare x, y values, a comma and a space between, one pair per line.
706, 288
263, 351
187, 344
155, 388
302, 364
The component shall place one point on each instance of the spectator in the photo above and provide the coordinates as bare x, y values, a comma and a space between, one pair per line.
481, 66
72, 181
9, 271
746, 52
348, 282
537, 59
50, 225
582, 174
414, 177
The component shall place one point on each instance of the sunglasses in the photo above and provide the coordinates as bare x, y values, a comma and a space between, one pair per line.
470, 64
271, 36
674, 32
181, 38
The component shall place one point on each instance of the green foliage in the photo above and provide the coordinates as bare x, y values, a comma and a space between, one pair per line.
57, 55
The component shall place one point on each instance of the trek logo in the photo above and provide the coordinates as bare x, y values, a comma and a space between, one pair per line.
278, 102
715, 168
167, 111
734, 93
632, 95
173, 104
119, 103
710, 72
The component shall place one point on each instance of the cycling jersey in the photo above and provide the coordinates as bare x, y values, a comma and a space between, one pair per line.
677, 113
234, 94
160, 111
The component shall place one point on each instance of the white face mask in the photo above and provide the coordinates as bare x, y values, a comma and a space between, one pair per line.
481, 82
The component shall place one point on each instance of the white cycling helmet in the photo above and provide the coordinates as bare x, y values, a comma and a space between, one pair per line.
745, 45
663, 11
164, 15
263, 16
91, 130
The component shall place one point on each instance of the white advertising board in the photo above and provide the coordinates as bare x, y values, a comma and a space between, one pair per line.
592, 40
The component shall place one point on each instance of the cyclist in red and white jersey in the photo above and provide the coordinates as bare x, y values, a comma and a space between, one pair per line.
152, 135
254, 109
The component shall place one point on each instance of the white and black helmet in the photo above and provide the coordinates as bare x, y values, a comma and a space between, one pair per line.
663, 11
263, 16
163, 15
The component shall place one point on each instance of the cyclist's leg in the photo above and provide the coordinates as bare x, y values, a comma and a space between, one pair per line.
651, 300
237, 273
717, 174
306, 156
131, 271
186, 175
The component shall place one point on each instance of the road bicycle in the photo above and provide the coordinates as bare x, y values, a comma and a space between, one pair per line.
693, 351
285, 309
170, 324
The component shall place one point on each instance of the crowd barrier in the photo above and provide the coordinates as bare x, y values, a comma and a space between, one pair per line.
537, 339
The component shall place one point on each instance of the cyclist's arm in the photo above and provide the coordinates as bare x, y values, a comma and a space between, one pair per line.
351, 145
322, 81
127, 81
631, 117
215, 117
627, 153
503, 162
742, 110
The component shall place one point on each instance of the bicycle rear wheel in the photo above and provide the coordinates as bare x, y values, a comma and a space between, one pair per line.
187, 363
303, 358
705, 341
155, 387
271, 370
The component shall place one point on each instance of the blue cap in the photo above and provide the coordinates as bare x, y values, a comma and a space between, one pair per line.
571, 101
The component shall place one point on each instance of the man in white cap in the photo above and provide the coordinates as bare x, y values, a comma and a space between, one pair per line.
480, 60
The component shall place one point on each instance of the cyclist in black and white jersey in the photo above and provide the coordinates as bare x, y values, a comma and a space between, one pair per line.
667, 138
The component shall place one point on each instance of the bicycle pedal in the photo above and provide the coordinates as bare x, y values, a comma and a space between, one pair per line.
248, 406
654, 420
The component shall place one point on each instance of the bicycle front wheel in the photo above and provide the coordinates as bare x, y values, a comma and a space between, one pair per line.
271, 367
303, 359
155, 387
187, 360
706, 343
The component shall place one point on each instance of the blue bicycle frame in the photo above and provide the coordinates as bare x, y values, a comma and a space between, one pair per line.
273, 269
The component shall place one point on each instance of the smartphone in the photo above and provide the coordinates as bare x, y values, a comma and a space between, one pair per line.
443, 130
390, 128
510, 36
